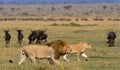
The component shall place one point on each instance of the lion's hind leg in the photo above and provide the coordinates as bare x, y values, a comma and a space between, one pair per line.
53, 61
32, 59
21, 59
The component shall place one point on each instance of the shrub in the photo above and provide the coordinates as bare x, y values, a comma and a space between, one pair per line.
25, 13
74, 24
68, 7
71, 24
54, 24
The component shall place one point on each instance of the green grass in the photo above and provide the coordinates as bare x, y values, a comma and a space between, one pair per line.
101, 58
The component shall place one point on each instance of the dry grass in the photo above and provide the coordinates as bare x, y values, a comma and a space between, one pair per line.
102, 58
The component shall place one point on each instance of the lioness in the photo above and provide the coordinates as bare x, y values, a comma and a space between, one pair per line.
79, 49
37, 51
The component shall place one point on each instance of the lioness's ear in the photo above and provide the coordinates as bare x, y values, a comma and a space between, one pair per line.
88, 43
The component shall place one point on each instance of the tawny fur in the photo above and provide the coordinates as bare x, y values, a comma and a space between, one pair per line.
37, 51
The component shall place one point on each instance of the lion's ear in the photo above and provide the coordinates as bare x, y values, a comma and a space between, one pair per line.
60, 42
63, 43
48, 44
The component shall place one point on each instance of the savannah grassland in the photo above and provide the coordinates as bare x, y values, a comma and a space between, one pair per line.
101, 58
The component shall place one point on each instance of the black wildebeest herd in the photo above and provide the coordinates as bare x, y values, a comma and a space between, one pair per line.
40, 36
37, 35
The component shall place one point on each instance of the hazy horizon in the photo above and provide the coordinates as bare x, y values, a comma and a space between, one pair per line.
57, 1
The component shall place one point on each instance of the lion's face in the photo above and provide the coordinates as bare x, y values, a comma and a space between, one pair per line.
68, 49
60, 47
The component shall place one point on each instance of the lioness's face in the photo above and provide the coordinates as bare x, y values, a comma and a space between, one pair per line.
89, 46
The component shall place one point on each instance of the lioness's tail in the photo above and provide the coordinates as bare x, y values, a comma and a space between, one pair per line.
22, 57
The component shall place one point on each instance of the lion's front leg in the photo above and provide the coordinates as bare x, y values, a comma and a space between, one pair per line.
65, 57
51, 61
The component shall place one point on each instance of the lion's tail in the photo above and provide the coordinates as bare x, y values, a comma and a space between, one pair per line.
21, 57
11, 61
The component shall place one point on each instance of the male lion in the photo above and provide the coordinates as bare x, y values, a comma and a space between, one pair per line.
37, 51
79, 49
60, 47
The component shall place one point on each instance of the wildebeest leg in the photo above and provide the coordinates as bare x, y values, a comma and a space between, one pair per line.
7, 43
30, 42
84, 55
20, 42
45, 41
109, 42
112, 42
38, 41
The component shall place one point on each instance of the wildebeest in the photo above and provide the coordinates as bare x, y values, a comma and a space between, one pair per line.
42, 36
20, 36
38, 36
32, 37
7, 37
111, 36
